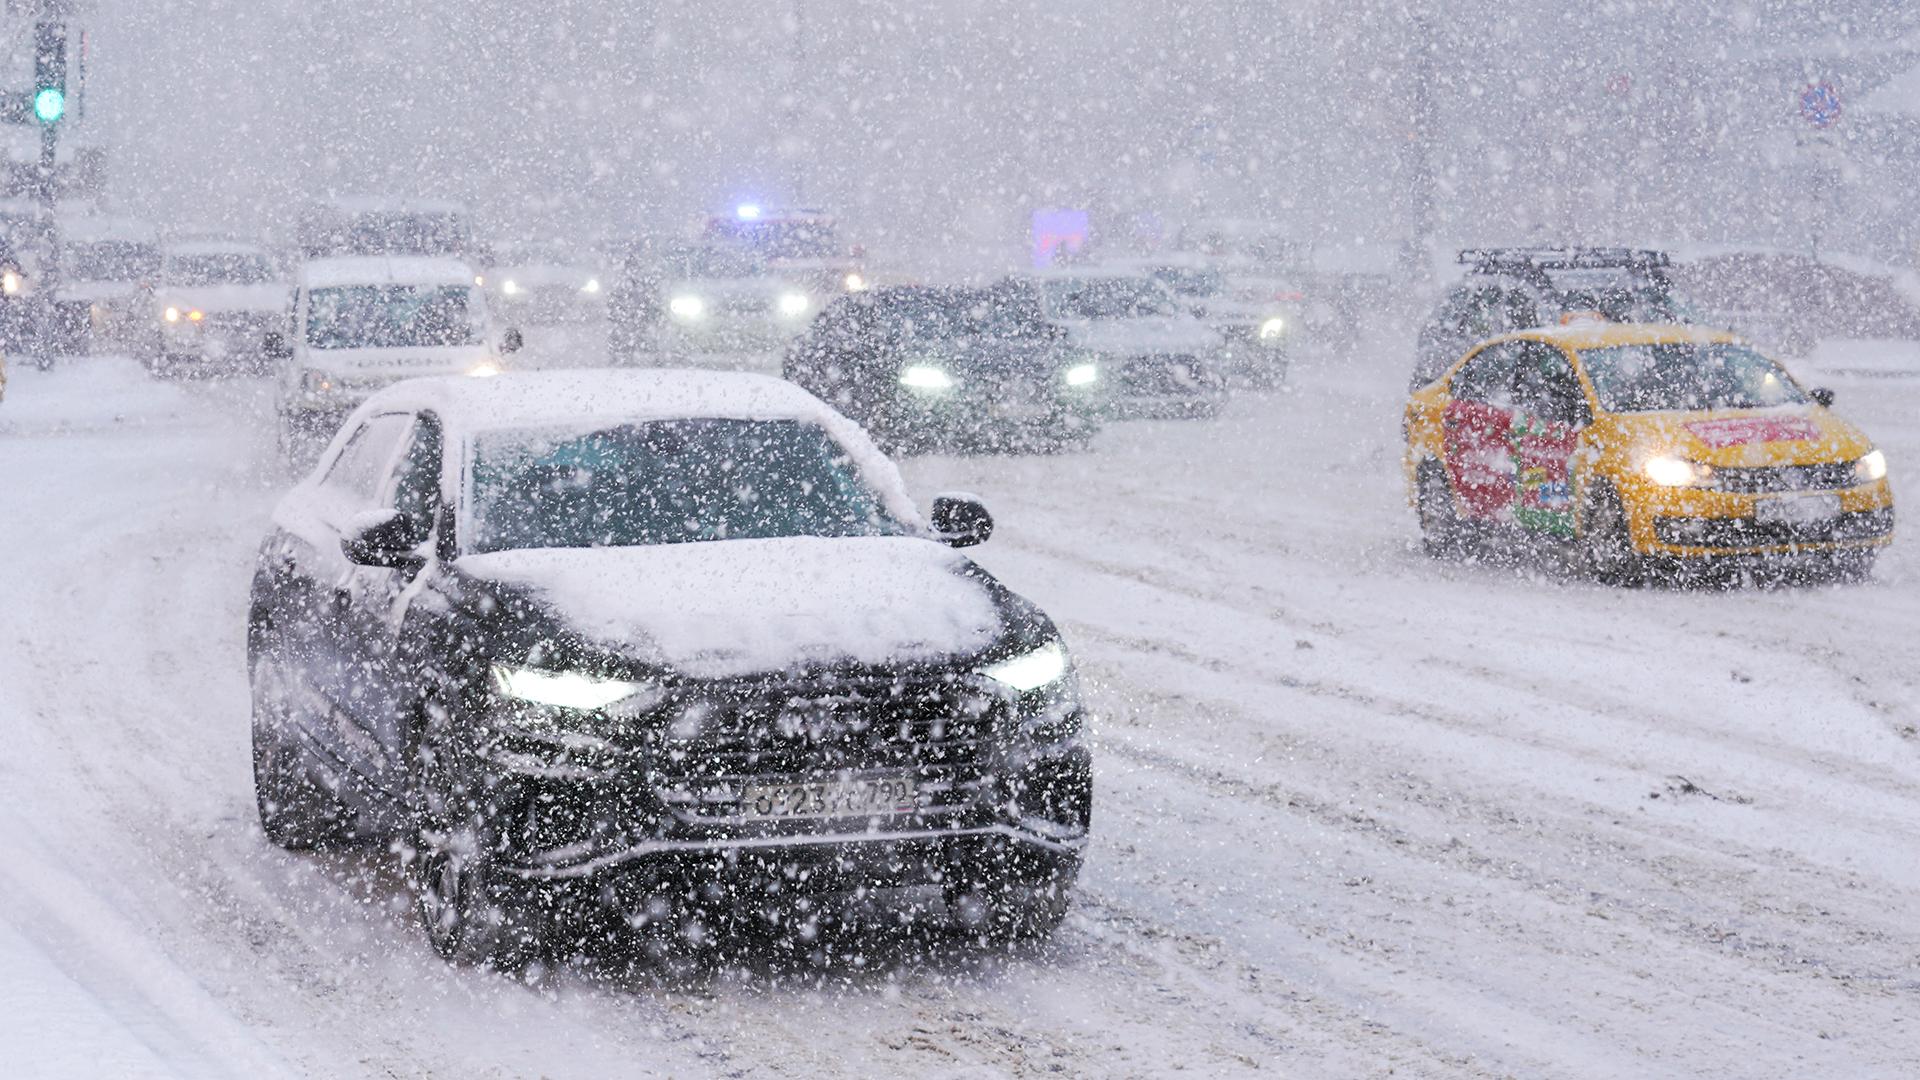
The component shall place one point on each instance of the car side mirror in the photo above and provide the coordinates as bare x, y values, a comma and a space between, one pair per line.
274, 345
960, 520
1821, 396
385, 538
511, 341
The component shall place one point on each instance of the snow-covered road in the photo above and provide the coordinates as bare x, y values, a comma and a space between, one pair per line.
1358, 812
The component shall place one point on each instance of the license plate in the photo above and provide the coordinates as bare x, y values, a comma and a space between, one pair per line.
1797, 510
876, 797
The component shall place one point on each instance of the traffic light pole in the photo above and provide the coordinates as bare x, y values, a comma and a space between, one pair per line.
49, 105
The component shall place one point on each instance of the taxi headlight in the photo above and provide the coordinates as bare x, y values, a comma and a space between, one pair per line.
687, 307
1669, 471
1029, 671
925, 377
1273, 328
1870, 468
794, 303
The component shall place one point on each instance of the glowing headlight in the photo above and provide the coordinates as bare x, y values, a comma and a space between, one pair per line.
592, 286
562, 689
10, 283
172, 314
687, 307
1272, 328
854, 282
1033, 670
485, 369
510, 287
479, 279
794, 303
1870, 468
1675, 472
196, 315
925, 377
1083, 374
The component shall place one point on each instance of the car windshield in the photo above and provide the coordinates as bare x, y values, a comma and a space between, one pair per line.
962, 314
715, 263
801, 238
390, 317
1107, 298
1191, 282
225, 268
668, 482
1686, 376
111, 260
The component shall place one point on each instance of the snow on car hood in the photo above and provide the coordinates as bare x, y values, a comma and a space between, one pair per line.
1142, 335
212, 298
1782, 435
724, 608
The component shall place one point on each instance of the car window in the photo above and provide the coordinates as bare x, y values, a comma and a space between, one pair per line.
1685, 376
364, 461
1488, 376
1544, 384
416, 483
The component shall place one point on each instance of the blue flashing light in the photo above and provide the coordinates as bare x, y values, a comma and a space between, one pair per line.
747, 211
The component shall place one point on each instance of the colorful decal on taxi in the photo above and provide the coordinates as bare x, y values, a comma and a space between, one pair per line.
1543, 493
1741, 430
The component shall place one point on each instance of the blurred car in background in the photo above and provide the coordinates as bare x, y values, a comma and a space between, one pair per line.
1648, 447
1791, 301
216, 303
108, 270
1259, 318
1508, 289
1157, 359
384, 225
363, 323
934, 367
546, 285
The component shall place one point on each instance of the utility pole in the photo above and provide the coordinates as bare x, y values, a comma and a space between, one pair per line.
47, 104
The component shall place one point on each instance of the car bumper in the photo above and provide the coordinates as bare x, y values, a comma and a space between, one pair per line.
1701, 524
722, 333
999, 418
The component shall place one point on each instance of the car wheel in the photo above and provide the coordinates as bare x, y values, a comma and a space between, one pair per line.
1606, 539
297, 812
1442, 532
1019, 910
471, 911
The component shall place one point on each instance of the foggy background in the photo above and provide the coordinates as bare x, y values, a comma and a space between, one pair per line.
936, 127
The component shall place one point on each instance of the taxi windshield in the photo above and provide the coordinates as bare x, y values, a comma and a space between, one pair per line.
1687, 376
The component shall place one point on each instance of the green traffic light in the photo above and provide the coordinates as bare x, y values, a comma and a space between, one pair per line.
49, 104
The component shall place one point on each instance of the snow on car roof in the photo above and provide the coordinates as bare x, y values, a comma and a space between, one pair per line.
384, 270
1598, 334
583, 399
214, 247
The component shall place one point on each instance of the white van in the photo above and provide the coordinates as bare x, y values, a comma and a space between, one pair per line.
359, 324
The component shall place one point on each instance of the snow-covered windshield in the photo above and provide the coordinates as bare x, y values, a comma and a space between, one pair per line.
714, 263
668, 482
1107, 298
234, 268
111, 260
390, 317
1684, 377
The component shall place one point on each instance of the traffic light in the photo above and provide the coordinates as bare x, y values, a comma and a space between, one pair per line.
49, 71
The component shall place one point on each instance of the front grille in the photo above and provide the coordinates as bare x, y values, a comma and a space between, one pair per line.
744, 305
1765, 480
1163, 374
1740, 532
940, 730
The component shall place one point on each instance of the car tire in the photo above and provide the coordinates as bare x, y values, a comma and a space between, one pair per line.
1606, 539
297, 812
1443, 534
1021, 910
472, 912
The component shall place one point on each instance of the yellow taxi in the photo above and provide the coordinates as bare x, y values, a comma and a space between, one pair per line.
1642, 444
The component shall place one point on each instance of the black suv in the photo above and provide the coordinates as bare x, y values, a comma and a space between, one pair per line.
936, 367
1508, 289
620, 650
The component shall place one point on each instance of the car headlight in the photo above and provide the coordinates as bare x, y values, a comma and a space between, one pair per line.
567, 689
855, 281
1083, 374
1669, 471
687, 307
485, 369
794, 303
1031, 670
592, 286
10, 283
925, 377
195, 315
510, 287
172, 314
1870, 468
1273, 328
